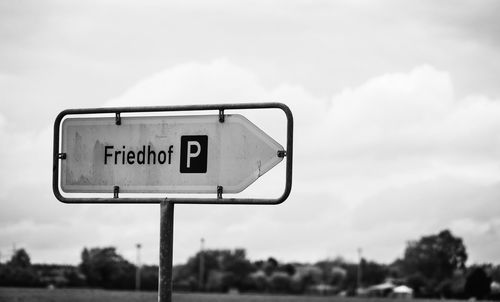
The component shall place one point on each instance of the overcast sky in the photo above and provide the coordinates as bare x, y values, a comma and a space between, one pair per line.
396, 106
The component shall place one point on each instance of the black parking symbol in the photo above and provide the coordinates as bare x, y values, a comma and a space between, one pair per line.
194, 151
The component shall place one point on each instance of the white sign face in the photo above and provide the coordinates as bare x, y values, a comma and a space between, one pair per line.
164, 154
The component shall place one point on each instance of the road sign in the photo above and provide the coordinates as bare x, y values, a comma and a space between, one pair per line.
196, 154
164, 154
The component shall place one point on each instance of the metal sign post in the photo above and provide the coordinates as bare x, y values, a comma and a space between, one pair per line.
222, 153
166, 251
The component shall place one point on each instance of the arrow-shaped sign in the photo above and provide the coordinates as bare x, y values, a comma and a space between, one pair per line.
165, 154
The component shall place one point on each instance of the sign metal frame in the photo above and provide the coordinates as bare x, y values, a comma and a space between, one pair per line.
117, 111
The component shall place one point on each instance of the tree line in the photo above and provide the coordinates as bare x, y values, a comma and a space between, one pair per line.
433, 266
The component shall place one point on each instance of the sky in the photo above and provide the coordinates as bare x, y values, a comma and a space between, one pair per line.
396, 107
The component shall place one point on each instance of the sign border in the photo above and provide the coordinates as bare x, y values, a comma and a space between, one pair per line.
57, 155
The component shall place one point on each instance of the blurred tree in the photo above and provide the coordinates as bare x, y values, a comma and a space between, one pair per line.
310, 275
478, 284
103, 267
238, 268
373, 273
20, 259
270, 266
333, 271
338, 275
350, 281
280, 282
260, 281
495, 273
418, 283
149, 277
224, 269
18, 271
289, 269
59, 275
435, 258
454, 287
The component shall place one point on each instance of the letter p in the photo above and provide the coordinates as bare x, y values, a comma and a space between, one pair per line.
191, 154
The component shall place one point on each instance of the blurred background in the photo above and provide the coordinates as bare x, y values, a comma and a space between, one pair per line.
396, 107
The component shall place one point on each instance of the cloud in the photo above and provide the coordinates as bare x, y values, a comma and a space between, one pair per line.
219, 81
410, 124
422, 159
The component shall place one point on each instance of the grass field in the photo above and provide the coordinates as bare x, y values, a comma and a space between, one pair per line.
95, 295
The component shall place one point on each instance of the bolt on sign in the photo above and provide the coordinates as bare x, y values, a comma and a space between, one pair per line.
211, 153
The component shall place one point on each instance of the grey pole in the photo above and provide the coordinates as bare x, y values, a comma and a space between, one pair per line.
138, 269
166, 251
202, 266
360, 271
